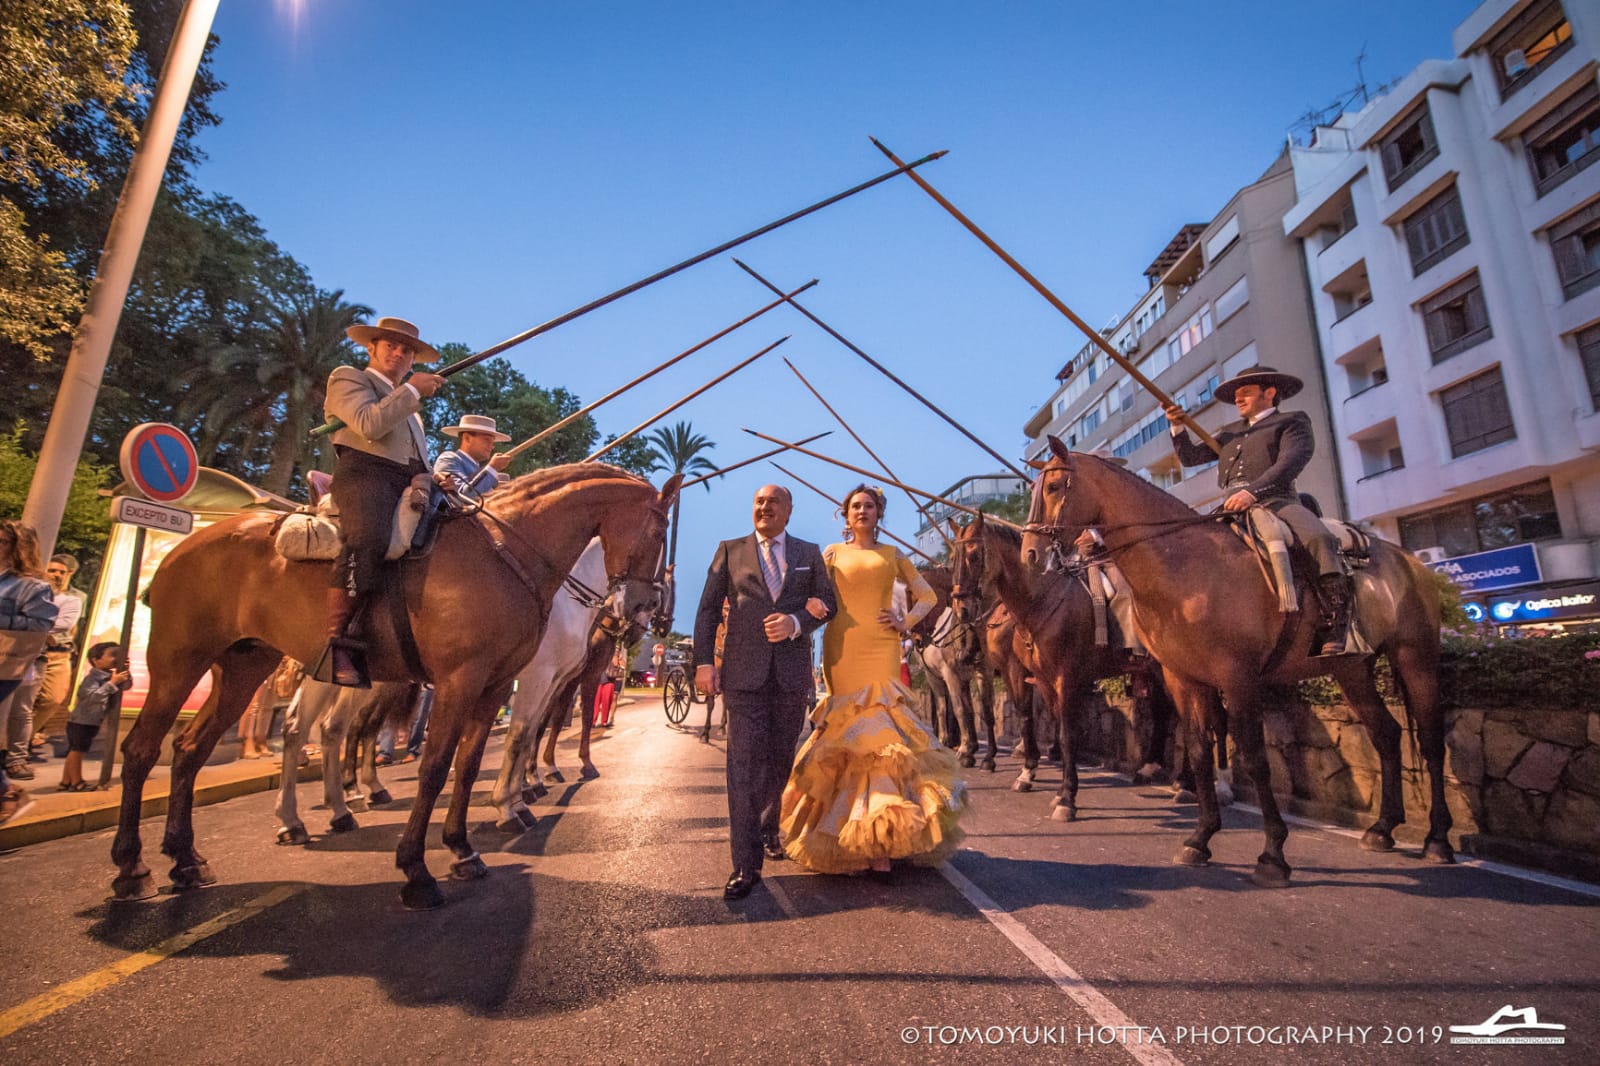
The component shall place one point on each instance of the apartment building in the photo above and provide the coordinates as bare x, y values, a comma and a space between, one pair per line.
1451, 233
974, 491
1222, 296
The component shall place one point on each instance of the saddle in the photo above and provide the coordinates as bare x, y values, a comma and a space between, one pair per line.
312, 534
1281, 555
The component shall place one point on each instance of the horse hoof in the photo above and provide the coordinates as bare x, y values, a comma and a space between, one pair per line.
988, 765
130, 888
533, 793
1438, 851
1191, 856
1022, 786
510, 824
472, 868
356, 803
344, 823
1270, 875
295, 836
555, 775
968, 762
380, 798
1064, 814
185, 878
421, 895
1184, 795
526, 817
589, 773
1376, 839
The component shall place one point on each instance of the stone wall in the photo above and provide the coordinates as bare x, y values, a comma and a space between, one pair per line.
1522, 784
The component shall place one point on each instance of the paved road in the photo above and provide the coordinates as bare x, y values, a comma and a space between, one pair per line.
601, 935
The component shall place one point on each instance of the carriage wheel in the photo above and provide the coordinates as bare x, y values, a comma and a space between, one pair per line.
676, 696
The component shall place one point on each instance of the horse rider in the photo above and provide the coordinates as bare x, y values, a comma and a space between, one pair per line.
1262, 453
1108, 589
380, 448
476, 437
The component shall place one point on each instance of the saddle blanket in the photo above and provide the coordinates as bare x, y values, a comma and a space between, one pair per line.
312, 535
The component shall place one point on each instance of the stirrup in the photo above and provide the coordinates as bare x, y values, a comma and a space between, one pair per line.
354, 672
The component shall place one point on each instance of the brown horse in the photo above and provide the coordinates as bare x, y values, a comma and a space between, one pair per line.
1206, 614
475, 608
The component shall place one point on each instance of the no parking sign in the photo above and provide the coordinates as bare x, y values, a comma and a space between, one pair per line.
159, 461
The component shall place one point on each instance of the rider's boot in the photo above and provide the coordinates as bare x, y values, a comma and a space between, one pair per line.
1335, 591
344, 662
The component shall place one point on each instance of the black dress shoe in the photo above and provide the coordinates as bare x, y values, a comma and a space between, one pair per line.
740, 884
773, 849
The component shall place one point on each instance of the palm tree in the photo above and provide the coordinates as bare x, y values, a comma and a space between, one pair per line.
677, 451
266, 391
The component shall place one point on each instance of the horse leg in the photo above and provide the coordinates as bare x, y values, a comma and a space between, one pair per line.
961, 687
402, 704
986, 707
451, 703
1025, 701
1417, 669
507, 794
1272, 869
242, 668
173, 675
1189, 701
1067, 701
296, 723
586, 712
469, 865
1361, 692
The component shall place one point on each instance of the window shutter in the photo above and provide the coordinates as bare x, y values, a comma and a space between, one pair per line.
1347, 217
1570, 263
1477, 311
1438, 331
1425, 128
1391, 160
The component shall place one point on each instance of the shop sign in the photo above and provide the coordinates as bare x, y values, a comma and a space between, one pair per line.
1547, 605
1503, 568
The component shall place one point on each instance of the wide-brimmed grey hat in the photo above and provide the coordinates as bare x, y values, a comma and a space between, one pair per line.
396, 329
1264, 376
475, 424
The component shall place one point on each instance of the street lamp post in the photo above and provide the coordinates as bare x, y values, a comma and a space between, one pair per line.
86, 365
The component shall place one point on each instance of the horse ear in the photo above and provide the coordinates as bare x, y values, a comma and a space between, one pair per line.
669, 491
1061, 451
1037, 464
955, 528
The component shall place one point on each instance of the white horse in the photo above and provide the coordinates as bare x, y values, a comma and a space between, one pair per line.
335, 709
561, 655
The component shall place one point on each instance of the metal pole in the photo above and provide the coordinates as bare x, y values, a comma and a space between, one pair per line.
1039, 287
86, 364
114, 713
900, 168
904, 544
664, 412
747, 462
880, 368
875, 456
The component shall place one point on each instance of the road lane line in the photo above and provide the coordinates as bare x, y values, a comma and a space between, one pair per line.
1582, 888
1097, 1006
42, 1006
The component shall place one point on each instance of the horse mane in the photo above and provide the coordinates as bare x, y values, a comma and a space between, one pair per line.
552, 479
1006, 532
1159, 497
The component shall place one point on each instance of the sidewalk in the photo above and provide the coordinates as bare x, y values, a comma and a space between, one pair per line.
51, 813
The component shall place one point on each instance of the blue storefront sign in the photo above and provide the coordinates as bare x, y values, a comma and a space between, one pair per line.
1503, 568
1547, 605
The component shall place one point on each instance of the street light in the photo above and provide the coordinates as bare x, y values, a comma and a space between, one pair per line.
86, 365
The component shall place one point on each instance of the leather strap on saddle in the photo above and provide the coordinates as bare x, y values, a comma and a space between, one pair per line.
496, 536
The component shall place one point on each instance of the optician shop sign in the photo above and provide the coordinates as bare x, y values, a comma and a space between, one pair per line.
1503, 568
1547, 605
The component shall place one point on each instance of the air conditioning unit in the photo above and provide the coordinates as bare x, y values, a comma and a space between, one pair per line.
1515, 62
1431, 555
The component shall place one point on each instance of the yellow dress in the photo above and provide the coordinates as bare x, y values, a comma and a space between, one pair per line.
871, 782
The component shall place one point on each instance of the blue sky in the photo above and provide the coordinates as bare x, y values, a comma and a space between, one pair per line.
484, 166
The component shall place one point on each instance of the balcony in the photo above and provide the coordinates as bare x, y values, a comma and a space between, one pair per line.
1357, 328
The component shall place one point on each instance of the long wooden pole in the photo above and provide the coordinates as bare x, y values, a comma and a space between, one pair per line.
1055, 301
886, 372
592, 305
550, 431
866, 448
903, 543
664, 412
753, 459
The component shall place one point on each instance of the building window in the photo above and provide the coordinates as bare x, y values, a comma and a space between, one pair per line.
1209, 389
1498, 520
1409, 148
1230, 302
1589, 349
1566, 140
1436, 230
1477, 414
1575, 240
1534, 39
1456, 319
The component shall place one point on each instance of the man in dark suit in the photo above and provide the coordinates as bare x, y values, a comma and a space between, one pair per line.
1262, 454
765, 677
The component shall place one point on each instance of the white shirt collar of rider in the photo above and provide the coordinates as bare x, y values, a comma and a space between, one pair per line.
1263, 414
381, 376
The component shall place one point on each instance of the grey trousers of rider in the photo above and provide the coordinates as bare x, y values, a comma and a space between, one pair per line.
763, 731
1309, 531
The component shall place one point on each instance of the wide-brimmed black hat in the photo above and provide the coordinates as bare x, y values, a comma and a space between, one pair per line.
1264, 376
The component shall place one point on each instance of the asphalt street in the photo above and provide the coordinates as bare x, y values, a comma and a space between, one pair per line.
601, 935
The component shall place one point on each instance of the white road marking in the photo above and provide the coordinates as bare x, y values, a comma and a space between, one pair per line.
1537, 877
1097, 1006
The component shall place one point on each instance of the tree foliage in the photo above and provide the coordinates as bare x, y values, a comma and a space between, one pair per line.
519, 408
679, 450
86, 524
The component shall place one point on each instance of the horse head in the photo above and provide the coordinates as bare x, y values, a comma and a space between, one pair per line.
1056, 515
971, 582
634, 537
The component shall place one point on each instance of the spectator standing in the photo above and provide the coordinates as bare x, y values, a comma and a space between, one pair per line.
45, 708
27, 612
99, 693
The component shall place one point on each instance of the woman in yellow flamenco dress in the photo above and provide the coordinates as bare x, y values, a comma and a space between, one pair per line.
871, 784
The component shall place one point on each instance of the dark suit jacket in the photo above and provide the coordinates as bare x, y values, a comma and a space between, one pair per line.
748, 658
1264, 458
